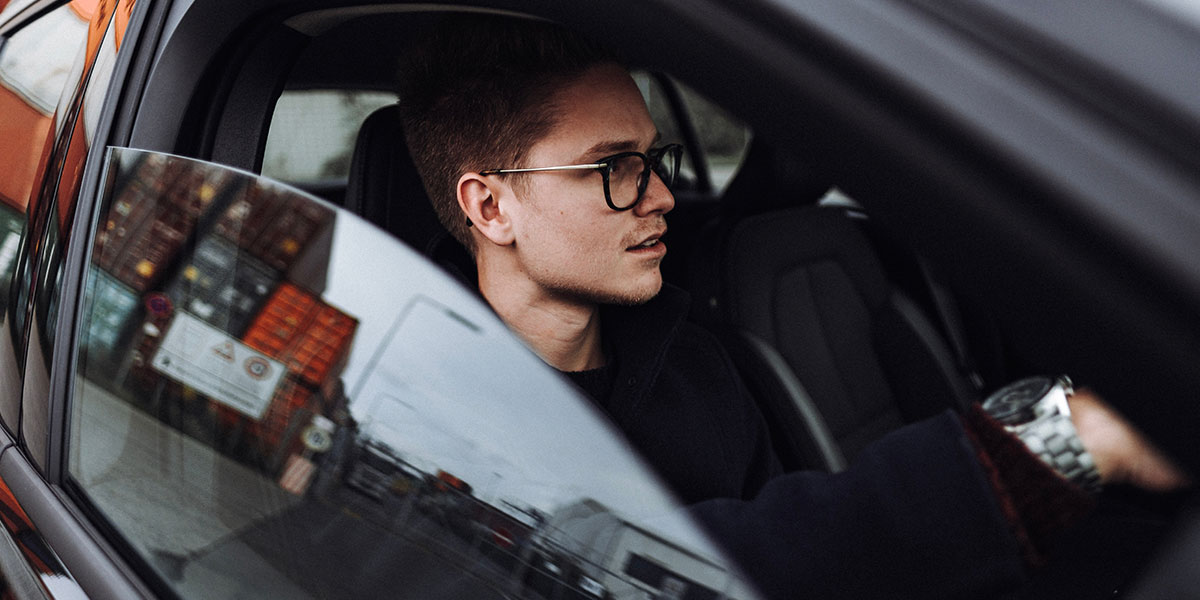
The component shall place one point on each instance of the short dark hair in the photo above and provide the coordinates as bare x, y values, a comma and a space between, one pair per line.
477, 92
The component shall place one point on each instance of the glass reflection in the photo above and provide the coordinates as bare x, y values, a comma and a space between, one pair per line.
276, 399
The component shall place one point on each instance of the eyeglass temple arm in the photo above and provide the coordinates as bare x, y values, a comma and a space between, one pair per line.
559, 168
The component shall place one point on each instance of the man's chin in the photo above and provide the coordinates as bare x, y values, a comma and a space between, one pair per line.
633, 297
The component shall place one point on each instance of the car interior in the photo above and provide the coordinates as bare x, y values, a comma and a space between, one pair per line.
796, 290
843, 330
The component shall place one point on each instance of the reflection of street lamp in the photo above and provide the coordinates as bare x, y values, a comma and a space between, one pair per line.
493, 487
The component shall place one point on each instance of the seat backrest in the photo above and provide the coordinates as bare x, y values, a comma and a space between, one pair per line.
807, 282
385, 188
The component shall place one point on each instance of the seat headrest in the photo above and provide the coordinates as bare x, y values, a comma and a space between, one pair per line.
385, 188
771, 179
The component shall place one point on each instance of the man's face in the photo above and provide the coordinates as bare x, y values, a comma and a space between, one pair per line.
568, 241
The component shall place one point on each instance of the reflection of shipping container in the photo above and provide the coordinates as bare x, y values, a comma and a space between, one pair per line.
152, 217
222, 285
309, 336
274, 225
258, 427
114, 306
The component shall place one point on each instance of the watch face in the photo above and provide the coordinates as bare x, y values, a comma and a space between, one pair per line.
1013, 404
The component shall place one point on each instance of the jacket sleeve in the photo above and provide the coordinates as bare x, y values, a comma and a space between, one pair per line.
914, 517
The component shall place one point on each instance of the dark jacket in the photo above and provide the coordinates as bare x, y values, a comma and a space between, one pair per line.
677, 397
915, 516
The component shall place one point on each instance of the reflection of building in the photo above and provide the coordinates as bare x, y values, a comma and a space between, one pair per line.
597, 554
205, 295
29, 91
39, 62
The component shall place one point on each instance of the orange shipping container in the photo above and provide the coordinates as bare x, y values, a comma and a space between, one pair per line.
309, 336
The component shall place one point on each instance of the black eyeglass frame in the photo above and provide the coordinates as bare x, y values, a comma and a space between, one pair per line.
651, 161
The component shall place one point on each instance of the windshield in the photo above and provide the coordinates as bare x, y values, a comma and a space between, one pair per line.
275, 399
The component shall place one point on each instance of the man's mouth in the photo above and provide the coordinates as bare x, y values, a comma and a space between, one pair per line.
650, 244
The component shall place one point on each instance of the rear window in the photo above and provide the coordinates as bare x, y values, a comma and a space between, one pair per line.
312, 133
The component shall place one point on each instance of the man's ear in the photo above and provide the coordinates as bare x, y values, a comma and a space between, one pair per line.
484, 202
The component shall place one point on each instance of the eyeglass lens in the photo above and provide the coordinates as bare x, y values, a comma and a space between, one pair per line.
629, 174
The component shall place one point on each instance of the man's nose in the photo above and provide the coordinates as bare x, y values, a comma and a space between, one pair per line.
656, 199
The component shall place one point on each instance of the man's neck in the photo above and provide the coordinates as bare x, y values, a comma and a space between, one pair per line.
564, 332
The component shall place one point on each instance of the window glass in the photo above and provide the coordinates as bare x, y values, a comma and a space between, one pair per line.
667, 121
282, 401
724, 139
312, 133
721, 139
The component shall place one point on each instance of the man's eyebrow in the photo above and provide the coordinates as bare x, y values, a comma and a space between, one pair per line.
615, 146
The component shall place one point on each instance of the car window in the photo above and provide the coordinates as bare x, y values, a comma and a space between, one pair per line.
720, 140
723, 138
312, 133
666, 119
274, 399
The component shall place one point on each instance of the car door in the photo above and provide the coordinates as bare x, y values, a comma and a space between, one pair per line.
233, 388
289, 402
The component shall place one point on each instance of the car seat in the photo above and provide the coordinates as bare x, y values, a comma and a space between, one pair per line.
385, 189
802, 285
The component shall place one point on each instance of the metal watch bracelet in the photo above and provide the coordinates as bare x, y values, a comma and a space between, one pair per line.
1056, 442
1036, 410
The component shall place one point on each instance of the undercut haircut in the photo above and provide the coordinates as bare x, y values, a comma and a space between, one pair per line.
477, 92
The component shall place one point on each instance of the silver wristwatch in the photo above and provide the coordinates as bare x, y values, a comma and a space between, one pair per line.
1035, 410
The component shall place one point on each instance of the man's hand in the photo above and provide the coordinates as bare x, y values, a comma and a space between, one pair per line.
1121, 452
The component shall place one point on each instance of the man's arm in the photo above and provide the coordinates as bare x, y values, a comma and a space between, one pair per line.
946, 507
915, 516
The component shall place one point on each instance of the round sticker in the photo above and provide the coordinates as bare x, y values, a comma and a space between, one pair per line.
257, 367
158, 304
316, 439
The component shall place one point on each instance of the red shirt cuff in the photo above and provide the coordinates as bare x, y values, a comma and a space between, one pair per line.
1036, 501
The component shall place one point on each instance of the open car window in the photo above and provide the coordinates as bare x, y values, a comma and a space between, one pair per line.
282, 401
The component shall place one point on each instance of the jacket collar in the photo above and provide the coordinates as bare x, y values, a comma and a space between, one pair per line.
639, 337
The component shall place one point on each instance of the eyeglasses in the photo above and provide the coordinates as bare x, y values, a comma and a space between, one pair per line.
626, 175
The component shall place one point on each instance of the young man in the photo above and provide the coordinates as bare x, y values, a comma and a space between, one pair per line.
540, 157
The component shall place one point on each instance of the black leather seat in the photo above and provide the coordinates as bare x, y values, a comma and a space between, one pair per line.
385, 188
803, 301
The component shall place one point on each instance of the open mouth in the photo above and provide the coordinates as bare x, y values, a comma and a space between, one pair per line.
646, 244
